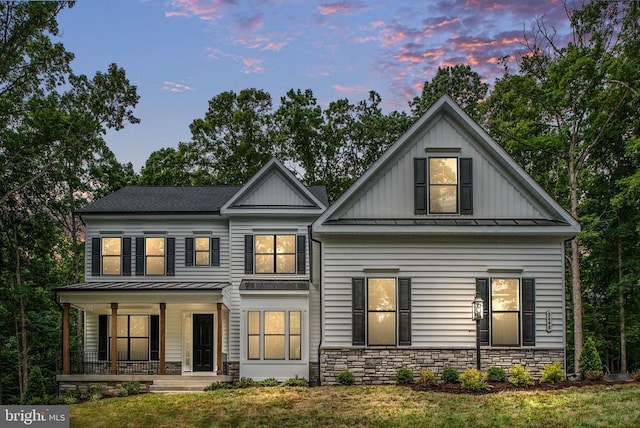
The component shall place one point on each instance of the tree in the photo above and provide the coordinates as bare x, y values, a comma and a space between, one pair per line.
460, 82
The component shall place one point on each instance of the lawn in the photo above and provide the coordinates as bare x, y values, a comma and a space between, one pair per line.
384, 406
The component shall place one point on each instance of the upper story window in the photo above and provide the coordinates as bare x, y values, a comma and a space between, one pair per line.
154, 256
202, 251
275, 254
443, 185
111, 256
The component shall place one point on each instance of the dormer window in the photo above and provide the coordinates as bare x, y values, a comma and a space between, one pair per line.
443, 185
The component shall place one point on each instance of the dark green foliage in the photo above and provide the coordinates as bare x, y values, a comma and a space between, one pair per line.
269, 382
404, 376
36, 386
218, 385
295, 381
474, 380
346, 378
450, 375
132, 387
245, 382
520, 376
589, 359
496, 374
552, 373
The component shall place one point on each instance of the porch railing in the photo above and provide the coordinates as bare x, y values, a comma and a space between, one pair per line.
88, 362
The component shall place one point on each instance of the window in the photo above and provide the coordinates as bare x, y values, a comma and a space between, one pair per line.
111, 256
202, 251
274, 335
275, 253
154, 256
381, 311
509, 311
133, 337
443, 185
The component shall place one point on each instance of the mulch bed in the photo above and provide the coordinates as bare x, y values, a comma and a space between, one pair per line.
494, 387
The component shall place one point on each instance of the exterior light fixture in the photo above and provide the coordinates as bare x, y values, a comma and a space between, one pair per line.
477, 313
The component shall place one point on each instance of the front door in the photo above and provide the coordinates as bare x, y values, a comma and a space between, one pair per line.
202, 342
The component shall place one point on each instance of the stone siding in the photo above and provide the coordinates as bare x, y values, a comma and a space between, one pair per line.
233, 368
379, 365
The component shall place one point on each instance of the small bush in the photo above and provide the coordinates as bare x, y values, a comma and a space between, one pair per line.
346, 378
552, 373
594, 375
96, 392
245, 382
132, 388
269, 382
36, 387
519, 376
295, 381
450, 375
635, 375
120, 392
589, 358
218, 385
474, 380
426, 378
496, 374
404, 376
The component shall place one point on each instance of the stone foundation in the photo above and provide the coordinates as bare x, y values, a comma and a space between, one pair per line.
173, 367
234, 370
379, 365
70, 387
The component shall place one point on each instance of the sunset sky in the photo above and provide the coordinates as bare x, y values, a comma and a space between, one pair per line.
182, 53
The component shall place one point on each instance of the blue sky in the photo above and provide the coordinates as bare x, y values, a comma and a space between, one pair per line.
182, 53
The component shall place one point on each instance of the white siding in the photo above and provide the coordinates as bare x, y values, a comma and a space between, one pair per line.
171, 228
443, 273
275, 190
390, 192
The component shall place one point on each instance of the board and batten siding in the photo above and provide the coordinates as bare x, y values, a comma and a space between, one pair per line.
170, 228
274, 190
238, 228
390, 193
443, 273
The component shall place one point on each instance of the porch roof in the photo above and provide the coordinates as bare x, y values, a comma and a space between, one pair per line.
142, 285
270, 284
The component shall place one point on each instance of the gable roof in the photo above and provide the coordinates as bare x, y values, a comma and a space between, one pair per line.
340, 218
274, 189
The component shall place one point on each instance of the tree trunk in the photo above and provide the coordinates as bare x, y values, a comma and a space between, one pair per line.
24, 356
623, 327
21, 333
576, 289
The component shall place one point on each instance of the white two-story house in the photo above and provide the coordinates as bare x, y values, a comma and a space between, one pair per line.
265, 280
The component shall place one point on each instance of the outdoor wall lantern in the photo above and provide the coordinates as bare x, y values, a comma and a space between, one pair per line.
477, 313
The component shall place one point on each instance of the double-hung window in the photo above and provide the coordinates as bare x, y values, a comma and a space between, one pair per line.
274, 335
154, 256
111, 256
443, 185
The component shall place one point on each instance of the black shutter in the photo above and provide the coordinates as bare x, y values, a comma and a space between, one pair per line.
215, 251
404, 311
126, 256
482, 290
171, 256
420, 185
528, 312
188, 251
155, 337
248, 254
357, 301
103, 337
139, 256
301, 255
95, 257
466, 186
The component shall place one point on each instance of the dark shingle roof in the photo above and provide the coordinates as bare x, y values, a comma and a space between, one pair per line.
171, 199
140, 285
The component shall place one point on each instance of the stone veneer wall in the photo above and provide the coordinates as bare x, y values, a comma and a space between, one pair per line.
379, 365
234, 370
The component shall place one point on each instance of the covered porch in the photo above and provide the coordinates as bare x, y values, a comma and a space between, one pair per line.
142, 330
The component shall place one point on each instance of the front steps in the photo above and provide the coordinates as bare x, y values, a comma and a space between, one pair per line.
186, 383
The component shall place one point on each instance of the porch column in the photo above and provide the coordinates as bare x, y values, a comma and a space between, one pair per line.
163, 307
66, 356
219, 344
114, 338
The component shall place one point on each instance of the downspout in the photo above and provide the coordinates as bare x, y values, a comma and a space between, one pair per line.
311, 239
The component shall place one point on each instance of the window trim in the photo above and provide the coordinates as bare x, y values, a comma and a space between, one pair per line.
430, 185
196, 251
394, 311
519, 312
262, 335
119, 256
275, 254
147, 256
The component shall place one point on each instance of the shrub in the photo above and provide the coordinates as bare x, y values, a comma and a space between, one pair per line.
496, 374
594, 375
589, 358
245, 382
552, 373
404, 376
474, 380
36, 387
346, 378
635, 375
96, 392
218, 385
426, 378
295, 381
450, 375
519, 376
132, 387
120, 392
271, 381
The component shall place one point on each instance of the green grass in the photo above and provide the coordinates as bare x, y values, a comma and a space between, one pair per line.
377, 406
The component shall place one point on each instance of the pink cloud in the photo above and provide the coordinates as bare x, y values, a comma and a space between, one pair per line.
262, 42
176, 87
343, 7
252, 65
350, 89
203, 9
274, 46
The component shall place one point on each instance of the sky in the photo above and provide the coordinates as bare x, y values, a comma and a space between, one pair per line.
182, 53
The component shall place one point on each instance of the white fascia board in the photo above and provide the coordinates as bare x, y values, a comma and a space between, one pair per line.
142, 296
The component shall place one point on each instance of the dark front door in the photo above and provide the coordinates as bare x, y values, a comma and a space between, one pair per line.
202, 342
